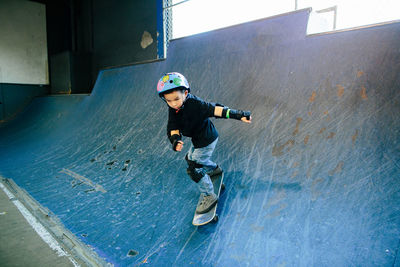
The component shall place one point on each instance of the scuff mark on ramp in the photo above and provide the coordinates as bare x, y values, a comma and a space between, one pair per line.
84, 180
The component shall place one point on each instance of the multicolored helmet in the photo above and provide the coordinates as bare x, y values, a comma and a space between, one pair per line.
171, 81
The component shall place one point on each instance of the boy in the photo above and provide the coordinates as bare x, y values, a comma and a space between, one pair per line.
189, 116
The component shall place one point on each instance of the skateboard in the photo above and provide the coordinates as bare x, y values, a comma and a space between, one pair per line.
202, 219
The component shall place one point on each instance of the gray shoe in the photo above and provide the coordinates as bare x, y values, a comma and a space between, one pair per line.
215, 172
207, 203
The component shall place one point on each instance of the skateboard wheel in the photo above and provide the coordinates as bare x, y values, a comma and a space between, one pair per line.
215, 218
223, 187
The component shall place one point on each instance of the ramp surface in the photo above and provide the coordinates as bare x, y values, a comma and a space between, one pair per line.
313, 181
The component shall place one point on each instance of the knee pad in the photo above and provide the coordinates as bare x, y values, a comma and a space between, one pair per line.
195, 174
192, 164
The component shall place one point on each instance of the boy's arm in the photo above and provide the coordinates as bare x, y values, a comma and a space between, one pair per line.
227, 113
175, 138
173, 133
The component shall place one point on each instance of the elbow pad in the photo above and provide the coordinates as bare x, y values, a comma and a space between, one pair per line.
235, 114
224, 109
174, 139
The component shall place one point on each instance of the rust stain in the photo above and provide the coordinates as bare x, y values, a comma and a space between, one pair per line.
317, 181
326, 113
309, 113
331, 135
257, 228
354, 137
309, 170
313, 96
306, 139
322, 130
340, 90
295, 164
364, 93
360, 73
294, 174
314, 192
275, 200
277, 212
296, 131
338, 168
278, 150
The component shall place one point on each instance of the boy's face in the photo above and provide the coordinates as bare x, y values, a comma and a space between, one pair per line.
175, 99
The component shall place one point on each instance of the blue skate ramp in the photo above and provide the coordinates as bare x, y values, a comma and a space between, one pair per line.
313, 181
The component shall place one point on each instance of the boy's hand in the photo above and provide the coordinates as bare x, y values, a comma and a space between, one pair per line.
246, 120
179, 146
246, 116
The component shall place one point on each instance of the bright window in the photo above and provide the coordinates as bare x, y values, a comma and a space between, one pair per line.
196, 16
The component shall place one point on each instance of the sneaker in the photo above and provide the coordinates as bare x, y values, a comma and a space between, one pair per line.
215, 172
207, 203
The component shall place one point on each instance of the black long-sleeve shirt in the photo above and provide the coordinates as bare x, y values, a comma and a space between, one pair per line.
192, 120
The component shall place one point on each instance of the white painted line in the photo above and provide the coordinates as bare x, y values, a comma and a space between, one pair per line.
38, 227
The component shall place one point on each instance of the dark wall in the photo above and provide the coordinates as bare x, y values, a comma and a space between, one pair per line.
59, 33
89, 35
84, 37
69, 46
14, 98
118, 28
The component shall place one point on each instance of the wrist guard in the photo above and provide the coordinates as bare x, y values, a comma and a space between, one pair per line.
235, 114
174, 139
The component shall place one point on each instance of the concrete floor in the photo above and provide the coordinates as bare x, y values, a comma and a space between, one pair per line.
20, 245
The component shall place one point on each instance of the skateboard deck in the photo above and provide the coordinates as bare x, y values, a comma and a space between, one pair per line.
202, 219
